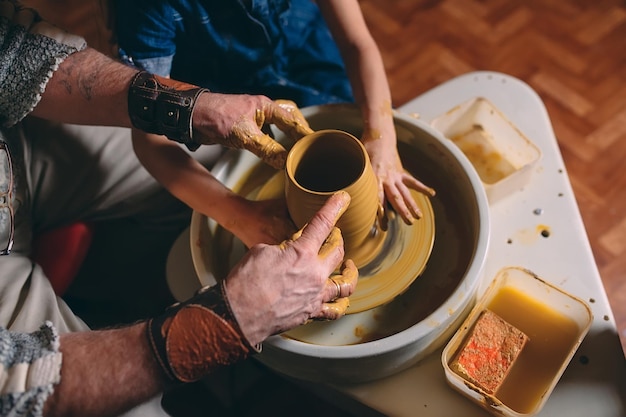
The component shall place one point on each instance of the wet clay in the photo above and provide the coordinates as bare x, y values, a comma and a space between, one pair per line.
323, 163
246, 133
402, 258
440, 276
451, 256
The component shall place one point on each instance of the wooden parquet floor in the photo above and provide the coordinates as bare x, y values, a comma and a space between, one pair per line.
572, 52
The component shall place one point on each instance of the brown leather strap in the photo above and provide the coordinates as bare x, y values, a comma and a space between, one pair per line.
194, 338
156, 108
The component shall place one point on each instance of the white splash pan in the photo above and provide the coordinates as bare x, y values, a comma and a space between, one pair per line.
385, 340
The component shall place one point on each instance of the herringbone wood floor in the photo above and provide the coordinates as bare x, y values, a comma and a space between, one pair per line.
572, 52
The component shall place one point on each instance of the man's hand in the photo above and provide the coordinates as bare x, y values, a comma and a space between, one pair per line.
194, 116
276, 288
235, 121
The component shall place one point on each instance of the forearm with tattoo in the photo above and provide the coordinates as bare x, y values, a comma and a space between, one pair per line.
88, 88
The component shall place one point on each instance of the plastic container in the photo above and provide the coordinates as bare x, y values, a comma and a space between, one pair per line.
498, 150
556, 323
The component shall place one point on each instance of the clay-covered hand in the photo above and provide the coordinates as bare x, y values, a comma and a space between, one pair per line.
272, 289
235, 121
275, 288
394, 182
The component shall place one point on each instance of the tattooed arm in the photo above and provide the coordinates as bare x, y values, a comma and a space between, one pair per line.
88, 88
91, 88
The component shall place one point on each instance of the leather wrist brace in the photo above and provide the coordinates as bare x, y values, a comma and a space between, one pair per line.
157, 108
192, 339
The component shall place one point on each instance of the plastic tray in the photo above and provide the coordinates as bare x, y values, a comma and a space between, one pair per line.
501, 154
556, 323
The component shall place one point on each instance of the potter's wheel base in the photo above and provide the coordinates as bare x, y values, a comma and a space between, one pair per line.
401, 259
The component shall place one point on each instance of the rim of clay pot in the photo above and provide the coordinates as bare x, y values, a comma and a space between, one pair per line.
313, 137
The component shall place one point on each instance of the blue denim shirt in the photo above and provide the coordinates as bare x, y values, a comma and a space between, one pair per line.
279, 48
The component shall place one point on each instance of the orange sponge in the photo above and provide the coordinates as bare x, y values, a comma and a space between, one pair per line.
489, 351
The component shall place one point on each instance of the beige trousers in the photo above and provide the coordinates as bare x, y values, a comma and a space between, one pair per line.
88, 173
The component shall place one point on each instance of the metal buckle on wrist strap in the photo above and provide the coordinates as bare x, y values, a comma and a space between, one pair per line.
159, 109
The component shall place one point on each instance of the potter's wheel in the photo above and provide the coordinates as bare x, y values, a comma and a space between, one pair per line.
386, 339
401, 259
383, 274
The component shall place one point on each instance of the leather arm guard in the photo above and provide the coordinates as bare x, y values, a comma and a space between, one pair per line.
156, 108
194, 338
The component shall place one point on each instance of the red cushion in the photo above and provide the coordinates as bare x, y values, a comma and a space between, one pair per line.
60, 252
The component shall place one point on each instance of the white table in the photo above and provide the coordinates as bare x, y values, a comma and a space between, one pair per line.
594, 385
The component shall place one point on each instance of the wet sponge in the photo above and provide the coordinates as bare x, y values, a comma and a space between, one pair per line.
489, 351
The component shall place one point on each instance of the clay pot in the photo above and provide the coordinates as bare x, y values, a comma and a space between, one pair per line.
323, 163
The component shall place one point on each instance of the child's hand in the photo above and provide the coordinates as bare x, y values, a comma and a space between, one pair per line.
394, 182
265, 221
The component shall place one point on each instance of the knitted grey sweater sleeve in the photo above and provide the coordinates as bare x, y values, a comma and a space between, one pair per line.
30, 366
30, 51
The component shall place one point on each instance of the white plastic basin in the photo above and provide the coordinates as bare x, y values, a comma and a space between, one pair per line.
387, 339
